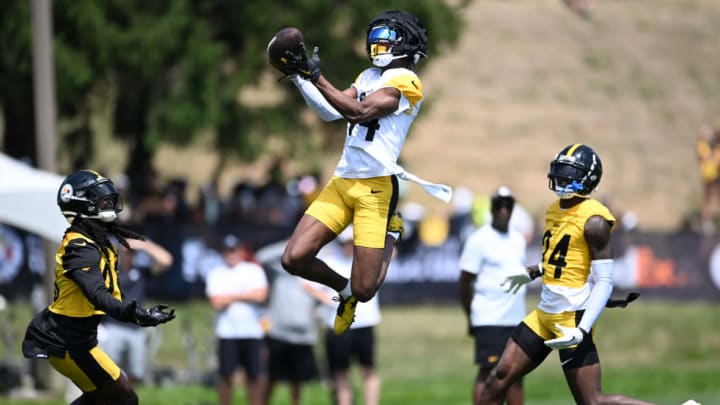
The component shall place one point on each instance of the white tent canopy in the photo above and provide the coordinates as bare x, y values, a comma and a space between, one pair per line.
28, 199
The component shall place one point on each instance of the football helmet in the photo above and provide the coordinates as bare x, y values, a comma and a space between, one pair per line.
87, 194
575, 171
396, 34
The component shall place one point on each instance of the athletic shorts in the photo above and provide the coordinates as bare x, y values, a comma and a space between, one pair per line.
489, 343
539, 326
366, 203
355, 344
88, 369
241, 353
292, 362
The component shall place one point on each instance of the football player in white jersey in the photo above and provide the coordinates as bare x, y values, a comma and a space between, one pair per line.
379, 107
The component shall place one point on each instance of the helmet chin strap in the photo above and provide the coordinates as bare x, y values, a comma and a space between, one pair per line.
564, 195
569, 191
107, 215
385, 59
104, 216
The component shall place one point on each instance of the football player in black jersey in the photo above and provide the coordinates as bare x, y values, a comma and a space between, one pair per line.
86, 289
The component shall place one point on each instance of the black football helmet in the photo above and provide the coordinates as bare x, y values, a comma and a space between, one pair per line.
396, 34
575, 171
87, 194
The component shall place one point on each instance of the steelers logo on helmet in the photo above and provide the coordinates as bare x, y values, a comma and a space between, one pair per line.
66, 192
575, 171
395, 34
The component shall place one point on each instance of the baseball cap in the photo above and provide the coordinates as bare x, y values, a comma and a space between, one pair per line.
230, 241
502, 195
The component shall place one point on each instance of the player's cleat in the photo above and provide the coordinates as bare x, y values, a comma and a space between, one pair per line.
345, 314
396, 227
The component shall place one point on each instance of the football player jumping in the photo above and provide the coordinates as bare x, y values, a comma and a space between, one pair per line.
577, 281
86, 288
379, 107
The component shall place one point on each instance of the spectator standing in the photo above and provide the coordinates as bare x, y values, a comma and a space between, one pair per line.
489, 255
238, 292
708, 153
293, 328
126, 343
356, 344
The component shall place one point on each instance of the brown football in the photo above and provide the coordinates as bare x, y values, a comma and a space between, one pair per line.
286, 39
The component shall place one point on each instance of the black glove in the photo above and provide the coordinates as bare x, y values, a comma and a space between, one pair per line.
150, 317
285, 70
298, 63
622, 303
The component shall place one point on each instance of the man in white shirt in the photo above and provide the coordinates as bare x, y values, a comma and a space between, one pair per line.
491, 254
238, 292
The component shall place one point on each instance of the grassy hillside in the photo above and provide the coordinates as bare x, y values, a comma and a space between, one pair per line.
528, 77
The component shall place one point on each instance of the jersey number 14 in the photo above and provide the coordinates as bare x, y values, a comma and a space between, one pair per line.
559, 252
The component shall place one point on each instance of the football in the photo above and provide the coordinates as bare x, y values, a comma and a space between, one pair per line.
287, 39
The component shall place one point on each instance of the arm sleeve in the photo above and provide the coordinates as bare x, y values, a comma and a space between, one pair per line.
315, 100
602, 272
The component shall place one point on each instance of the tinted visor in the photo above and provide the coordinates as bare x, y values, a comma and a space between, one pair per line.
381, 40
382, 34
560, 170
104, 196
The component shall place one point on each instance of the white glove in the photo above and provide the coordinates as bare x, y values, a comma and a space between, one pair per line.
515, 282
570, 337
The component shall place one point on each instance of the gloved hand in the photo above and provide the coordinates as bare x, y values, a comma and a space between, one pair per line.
515, 282
298, 63
622, 303
570, 337
285, 70
150, 317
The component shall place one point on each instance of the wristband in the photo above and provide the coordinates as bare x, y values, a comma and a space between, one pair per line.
533, 275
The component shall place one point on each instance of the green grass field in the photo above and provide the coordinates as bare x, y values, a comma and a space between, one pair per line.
660, 351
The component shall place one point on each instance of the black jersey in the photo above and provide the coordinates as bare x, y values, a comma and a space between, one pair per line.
85, 289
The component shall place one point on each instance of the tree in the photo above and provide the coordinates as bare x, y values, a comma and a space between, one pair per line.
155, 72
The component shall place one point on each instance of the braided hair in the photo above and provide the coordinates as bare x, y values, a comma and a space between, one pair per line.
100, 231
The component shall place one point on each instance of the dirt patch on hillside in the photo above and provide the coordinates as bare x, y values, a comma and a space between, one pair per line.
528, 77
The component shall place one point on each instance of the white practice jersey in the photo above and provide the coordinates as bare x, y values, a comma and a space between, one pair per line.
372, 148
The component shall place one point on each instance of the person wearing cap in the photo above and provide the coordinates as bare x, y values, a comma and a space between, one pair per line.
489, 255
238, 292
